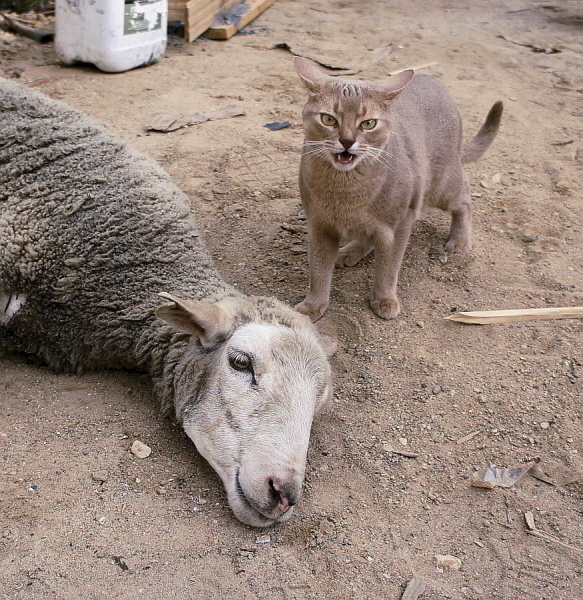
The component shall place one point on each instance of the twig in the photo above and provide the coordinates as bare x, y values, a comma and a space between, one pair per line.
416, 68
550, 538
468, 437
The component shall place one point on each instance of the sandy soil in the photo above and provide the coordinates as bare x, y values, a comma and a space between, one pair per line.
420, 403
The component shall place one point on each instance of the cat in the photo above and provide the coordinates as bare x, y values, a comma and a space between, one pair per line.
375, 156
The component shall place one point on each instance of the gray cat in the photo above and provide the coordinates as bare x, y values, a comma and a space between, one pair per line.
376, 155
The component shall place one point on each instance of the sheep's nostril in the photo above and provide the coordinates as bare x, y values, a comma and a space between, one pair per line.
284, 502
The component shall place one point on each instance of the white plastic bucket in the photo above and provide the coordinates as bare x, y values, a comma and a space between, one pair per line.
114, 35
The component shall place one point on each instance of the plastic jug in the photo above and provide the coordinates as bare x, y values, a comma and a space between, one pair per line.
114, 35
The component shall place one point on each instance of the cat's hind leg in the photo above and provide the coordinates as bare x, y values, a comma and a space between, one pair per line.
460, 230
353, 252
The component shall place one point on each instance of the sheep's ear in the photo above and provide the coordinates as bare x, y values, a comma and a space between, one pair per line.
312, 77
210, 323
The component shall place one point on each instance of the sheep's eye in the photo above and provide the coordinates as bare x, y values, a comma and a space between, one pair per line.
240, 362
369, 124
328, 120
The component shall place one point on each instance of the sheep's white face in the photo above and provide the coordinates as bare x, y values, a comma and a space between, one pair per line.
253, 415
250, 411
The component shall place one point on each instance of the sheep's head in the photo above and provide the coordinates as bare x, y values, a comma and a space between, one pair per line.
250, 410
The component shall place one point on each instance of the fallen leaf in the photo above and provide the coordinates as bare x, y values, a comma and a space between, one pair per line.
169, 122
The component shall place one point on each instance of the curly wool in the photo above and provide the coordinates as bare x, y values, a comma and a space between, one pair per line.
90, 232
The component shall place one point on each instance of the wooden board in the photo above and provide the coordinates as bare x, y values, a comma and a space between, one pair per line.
199, 15
485, 317
224, 32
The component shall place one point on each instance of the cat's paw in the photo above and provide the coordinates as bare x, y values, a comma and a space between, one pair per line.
385, 308
352, 253
458, 246
313, 310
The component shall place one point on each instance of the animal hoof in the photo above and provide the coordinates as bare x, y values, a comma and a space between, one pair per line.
385, 308
314, 312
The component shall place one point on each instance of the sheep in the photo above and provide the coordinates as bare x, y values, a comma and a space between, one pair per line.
92, 234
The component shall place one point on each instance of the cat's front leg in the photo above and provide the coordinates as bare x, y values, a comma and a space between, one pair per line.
322, 252
389, 251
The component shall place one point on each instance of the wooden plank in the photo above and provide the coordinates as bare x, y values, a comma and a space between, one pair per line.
484, 317
224, 32
201, 14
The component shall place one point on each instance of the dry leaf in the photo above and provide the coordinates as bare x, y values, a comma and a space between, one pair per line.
166, 122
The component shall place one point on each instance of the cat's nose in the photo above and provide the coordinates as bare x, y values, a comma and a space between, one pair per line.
347, 143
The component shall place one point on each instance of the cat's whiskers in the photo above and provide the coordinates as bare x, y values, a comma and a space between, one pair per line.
381, 156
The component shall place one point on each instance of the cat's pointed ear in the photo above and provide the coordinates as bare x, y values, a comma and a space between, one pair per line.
390, 87
312, 77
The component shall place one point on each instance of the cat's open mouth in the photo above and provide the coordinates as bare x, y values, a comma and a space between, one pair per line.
345, 158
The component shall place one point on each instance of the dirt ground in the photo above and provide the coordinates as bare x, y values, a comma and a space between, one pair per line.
420, 403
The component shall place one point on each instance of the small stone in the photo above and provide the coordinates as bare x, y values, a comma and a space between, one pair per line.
403, 441
496, 178
485, 184
100, 476
447, 562
528, 239
263, 539
140, 449
436, 390
545, 425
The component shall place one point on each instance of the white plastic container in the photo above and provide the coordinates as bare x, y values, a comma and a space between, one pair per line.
114, 35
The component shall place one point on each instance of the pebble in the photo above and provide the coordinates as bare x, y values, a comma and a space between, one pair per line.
100, 476
263, 539
403, 441
140, 449
447, 562
544, 425
436, 390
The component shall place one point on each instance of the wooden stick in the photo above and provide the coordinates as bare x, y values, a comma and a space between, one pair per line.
416, 68
486, 317
550, 538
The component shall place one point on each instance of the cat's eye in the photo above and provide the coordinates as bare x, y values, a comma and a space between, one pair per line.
368, 124
241, 361
328, 120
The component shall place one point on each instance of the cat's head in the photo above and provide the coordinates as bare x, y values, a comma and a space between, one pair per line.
347, 121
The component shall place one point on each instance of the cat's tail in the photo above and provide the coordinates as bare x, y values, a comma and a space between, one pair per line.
473, 149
